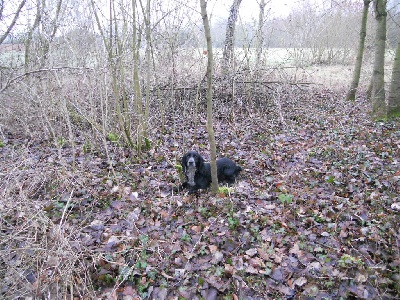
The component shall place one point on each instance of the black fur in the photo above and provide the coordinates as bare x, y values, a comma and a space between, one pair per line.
227, 171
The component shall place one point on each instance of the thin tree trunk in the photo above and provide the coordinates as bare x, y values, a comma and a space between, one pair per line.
49, 40
146, 14
136, 80
102, 34
118, 66
30, 33
114, 49
394, 94
227, 56
351, 94
378, 87
1, 9
14, 20
260, 35
210, 129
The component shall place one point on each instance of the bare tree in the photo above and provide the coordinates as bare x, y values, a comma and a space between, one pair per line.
323, 35
114, 45
146, 14
1, 9
136, 78
260, 35
35, 25
378, 84
230, 37
351, 95
14, 20
394, 94
51, 28
210, 129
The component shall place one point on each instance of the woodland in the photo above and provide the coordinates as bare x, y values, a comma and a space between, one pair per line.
99, 101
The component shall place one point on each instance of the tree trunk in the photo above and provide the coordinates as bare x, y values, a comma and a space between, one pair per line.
30, 33
210, 129
227, 56
378, 87
114, 48
14, 20
351, 94
394, 94
146, 15
260, 36
49, 39
136, 78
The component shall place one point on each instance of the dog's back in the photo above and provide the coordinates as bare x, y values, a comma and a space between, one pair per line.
227, 170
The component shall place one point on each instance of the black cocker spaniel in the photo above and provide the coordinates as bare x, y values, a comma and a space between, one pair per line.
198, 173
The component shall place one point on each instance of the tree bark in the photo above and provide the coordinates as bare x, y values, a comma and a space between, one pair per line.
30, 33
227, 56
394, 94
260, 36
136, 78
210, 129
351, 94
146, 15
54, 27
378, 87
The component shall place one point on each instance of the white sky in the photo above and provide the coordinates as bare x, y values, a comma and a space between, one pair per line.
250, 9
217, 9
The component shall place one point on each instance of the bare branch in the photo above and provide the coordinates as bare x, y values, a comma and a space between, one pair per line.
11, 81
4, 36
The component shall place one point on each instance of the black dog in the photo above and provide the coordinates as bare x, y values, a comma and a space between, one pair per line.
198, 173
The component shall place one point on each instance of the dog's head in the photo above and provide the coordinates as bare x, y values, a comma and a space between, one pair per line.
191, 160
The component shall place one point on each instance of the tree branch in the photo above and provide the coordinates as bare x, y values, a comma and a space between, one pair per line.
4, 36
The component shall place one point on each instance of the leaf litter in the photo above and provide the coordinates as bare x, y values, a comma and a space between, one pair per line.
313, 215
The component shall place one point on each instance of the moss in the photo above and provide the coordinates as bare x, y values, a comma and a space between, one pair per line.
394, 113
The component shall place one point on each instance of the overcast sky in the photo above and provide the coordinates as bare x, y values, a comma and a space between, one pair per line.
249, 8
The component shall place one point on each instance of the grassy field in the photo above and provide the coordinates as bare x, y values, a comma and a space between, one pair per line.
281, 63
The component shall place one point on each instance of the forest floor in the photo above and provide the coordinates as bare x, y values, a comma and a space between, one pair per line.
314, 214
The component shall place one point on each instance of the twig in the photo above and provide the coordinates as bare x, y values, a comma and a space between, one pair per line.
11, 81
65, 209
278, 82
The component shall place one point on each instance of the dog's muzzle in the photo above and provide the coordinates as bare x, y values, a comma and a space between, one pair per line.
190, 173
191, 162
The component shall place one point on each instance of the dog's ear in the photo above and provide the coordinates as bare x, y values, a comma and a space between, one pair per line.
184, 162
201, 160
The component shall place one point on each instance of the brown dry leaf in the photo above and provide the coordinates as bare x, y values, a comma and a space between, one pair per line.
218, 283
250, 269
213, 248
212, 294
277, 274
217, 257
270, 206
251, 252
300, 281
129, 291
229, 269
316, 265
196, 229
295, 249
165, 214
263, 254
343, 233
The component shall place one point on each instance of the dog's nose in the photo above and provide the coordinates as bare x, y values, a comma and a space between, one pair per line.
191, 162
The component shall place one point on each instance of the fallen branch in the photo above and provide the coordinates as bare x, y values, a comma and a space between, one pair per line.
11, 81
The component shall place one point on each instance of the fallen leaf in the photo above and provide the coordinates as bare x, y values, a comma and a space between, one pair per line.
300, 281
